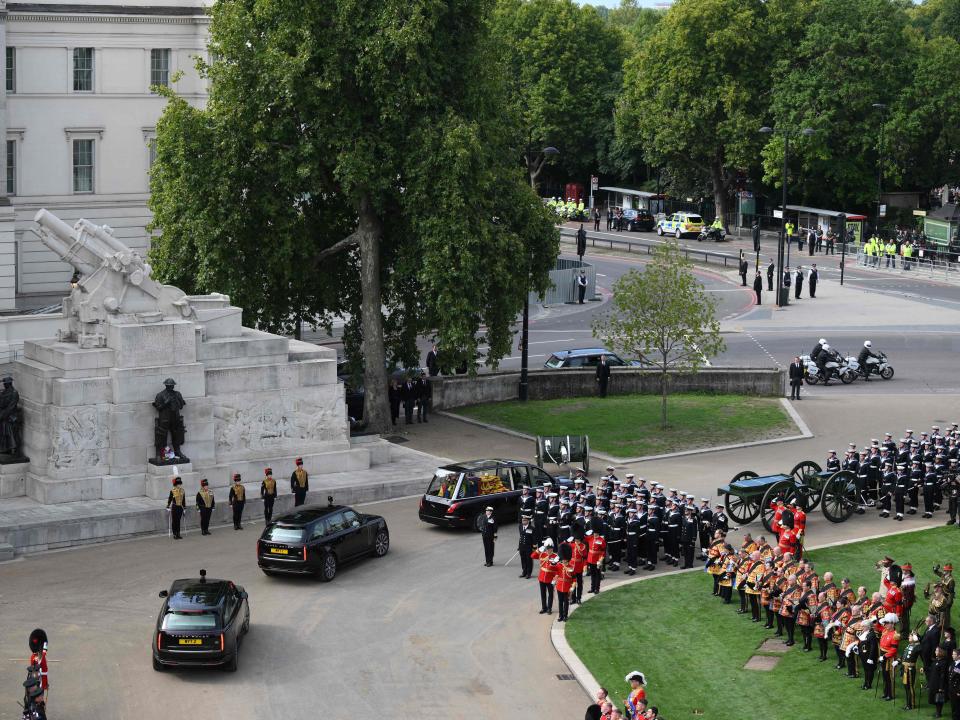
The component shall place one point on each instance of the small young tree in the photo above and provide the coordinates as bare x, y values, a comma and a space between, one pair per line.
663, 317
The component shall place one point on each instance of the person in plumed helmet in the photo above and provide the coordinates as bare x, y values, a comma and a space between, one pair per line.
237, 499
176, 505
205, 505
637, 681
268, 492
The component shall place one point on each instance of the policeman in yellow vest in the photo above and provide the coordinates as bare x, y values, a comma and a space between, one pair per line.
907, 254
237, 500
176, 504
205, 505
268, 491
299, 484
868, 251
891, 253
789, 229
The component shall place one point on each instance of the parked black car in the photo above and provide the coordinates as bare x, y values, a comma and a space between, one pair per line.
459, 493
316, 540
585, 358
639, 220
200, 624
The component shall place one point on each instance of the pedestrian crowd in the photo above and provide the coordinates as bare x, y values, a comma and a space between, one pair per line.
636, 706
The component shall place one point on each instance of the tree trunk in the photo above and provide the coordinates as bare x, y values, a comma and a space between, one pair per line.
719, 193
376, 403
663, 399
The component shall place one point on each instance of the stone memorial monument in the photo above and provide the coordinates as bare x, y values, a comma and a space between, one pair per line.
92, 418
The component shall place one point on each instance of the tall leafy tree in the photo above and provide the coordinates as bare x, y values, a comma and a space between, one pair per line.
352, 159
663, 316
851, 55
563, 65
696, 90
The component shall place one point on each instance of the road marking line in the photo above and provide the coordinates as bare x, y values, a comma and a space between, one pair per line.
520, 357
766, 352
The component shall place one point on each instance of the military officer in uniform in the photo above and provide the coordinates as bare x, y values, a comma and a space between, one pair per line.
909, 662
237, 500
488, 532
176, 504
527, 504
528, 541
268, 491
205, 505
299, 484
869, 651
688, 536
632, 541
889, 641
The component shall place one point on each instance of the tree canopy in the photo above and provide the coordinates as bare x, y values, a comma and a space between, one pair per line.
353, 158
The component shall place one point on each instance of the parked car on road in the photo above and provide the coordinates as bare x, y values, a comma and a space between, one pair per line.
585, 358
639, 220
680, 224
458, 494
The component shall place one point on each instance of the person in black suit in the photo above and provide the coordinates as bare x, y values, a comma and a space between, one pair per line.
489, 533
929, 641
814, 277
799, 284
796, 378
771, 269
603, 375
394, 394
744, 266
433, 363
758, 286
424, 395
408, 393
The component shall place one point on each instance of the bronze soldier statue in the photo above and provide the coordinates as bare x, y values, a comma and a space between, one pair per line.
169, 421
10, 423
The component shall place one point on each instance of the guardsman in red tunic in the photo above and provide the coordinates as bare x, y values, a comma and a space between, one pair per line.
579, 552
777, 506
565, 579
38, 665
596, 551
889, 644
893, 600
545, 555
788, 542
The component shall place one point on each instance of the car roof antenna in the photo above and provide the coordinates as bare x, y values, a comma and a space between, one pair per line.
203, 575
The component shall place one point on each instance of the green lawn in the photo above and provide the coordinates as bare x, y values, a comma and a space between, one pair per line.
629, 425
692, 648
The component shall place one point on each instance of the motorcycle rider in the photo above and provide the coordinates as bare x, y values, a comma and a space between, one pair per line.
868, 360
823, 357
816, 353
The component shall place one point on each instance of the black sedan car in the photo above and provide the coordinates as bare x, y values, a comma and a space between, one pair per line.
459, 493
201, 623
315, 540
639, 220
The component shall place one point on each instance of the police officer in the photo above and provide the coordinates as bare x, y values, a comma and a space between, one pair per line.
299, 483
688, 536
488, 532
237, 500
205, 505
268, 491
176, 504
528, 541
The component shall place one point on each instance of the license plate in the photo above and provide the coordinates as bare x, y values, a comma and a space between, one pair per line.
279, 551
190, 641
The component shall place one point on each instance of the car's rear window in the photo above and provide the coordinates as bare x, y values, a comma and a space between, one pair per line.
189, 621
554, 362
694, 218
284, 534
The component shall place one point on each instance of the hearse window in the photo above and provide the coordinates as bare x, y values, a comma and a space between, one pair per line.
443, 484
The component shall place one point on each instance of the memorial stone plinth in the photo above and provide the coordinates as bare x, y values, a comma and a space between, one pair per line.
251, 399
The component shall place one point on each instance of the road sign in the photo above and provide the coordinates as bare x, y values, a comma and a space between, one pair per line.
594, 182
883, 211
778, 213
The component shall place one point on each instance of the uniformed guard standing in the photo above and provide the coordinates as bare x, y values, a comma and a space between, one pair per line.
909, 662
176, 504
299, 484
205, 505
527, 504
580, 552
632, 541
869, 652
488, 532
237, 500
688, 536
614, 537
653, 540
706, 521
268, 491
889, 641
596, 551
528, 541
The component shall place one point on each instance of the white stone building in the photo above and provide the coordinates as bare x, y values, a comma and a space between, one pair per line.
78, 116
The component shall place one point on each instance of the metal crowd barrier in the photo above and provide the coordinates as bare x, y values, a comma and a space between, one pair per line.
915, 266
641, 245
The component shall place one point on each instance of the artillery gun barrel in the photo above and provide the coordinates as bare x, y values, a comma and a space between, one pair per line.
60, 237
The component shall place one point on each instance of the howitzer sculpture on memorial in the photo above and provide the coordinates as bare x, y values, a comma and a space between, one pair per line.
115, 281
93, 422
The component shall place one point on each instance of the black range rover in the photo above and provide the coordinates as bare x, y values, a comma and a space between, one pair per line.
316, 540
201, 623
458, 493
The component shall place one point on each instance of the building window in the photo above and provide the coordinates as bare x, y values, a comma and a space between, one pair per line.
11, 70
160, 66
11, 167
83, 166
83, 69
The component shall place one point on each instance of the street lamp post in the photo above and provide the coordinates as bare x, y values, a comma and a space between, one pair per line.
525, 332
786, 134
882, 108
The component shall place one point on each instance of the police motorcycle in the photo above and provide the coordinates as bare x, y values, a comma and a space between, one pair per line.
882, 368
843, 368
712, 233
